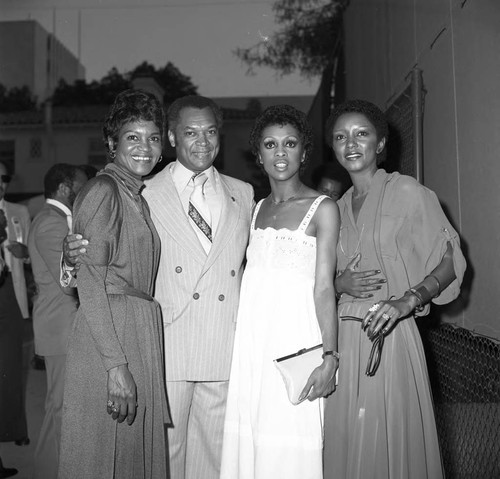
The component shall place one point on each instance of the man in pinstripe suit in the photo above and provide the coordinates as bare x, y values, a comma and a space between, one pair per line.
197, 287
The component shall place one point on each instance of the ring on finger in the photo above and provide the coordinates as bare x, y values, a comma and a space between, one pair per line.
374, 308
385, 317
110, 403
115, 408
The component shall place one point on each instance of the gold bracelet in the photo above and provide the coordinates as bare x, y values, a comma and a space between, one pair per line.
438, 285
420, 307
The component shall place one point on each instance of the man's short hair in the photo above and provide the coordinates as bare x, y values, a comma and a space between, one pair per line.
192, 101
57, 174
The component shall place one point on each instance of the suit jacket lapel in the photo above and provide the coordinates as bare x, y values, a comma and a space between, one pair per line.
55, 209
166, 209
230, 213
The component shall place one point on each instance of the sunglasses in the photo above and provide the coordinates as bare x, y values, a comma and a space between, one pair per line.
5, 178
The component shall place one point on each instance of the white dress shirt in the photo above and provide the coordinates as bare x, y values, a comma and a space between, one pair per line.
64, 209
181, 177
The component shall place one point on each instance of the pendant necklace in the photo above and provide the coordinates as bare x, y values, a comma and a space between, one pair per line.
358, 246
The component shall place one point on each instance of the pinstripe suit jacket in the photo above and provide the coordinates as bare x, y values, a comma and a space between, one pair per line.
17, 213
199, 294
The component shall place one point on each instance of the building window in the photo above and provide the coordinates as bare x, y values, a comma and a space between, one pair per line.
36, 148
97, 154
8, 154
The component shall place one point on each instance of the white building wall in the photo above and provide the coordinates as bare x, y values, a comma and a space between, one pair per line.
25, 54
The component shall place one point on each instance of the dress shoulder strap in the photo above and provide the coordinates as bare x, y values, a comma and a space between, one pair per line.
310, 213
255, 212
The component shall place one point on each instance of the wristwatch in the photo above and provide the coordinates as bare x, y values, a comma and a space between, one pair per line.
335, 354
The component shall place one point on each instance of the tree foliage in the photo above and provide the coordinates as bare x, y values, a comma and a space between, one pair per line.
16, 99
103, 92
308, 38
175, 83
81, 93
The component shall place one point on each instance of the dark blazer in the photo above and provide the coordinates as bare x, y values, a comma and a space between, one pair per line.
54, 307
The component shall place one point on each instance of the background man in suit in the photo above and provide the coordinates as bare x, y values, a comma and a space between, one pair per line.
54, 306
13, 308
203, 219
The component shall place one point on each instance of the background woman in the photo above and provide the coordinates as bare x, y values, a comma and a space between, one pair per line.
286, 304
115, 401
380, 422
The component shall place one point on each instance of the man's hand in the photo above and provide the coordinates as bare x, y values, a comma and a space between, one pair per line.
19, 250
73, 247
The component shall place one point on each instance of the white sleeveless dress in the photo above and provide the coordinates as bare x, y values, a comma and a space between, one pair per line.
265, 436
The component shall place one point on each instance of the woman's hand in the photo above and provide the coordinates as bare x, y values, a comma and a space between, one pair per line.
385, 314
321, 382
358, 283
122, 394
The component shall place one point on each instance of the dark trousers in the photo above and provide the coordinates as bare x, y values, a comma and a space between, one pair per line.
12, 407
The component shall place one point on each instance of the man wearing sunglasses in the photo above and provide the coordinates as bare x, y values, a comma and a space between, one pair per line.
15, 222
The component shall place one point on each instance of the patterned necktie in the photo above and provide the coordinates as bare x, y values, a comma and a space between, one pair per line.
199, 211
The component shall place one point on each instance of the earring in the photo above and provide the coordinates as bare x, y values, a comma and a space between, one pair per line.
160, 159
112, 154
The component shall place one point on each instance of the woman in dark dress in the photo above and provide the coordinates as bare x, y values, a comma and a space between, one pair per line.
115, 399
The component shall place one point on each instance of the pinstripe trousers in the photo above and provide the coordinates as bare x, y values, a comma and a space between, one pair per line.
197, 409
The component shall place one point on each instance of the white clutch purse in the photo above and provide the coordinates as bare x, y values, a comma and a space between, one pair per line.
296, 368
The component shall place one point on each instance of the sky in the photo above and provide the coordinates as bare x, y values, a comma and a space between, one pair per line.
197, 36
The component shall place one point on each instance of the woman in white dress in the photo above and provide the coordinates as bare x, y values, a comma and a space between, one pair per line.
287, 303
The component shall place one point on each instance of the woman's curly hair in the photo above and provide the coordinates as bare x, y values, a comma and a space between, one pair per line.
132, 105
371, 111
282, 115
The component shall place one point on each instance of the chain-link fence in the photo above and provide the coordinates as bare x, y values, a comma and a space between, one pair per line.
465, 377
400, 153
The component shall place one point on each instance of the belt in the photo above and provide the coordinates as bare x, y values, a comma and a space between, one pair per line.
128, 291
